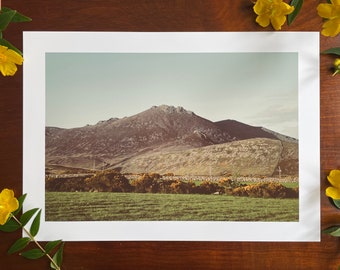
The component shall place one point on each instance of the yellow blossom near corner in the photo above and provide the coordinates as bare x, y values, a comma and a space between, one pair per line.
334, 190
8, 204
272, 12
8, 61
336, 66
331, 12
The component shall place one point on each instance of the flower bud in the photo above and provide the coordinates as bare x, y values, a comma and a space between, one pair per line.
336, 66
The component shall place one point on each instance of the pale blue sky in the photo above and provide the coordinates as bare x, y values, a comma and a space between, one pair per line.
259, 89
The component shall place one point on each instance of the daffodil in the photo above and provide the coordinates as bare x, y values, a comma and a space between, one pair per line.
8, 204
272, 12
8, 61
334, 190
331, 12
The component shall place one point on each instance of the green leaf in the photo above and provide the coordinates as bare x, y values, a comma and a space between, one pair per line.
6, 43
18, 17
336, 203
5, 18
35, 224
21, 200
25, 218
33, 254
297, 4
335, 50
58, 257
20, 244
334, 231
10, 226
51, 245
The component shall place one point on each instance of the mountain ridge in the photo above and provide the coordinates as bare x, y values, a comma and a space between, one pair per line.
156, 131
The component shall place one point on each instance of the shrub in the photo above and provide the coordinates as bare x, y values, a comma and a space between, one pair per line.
65, 184
109, 181
181, 187
147, 183
208, 187
266, 190
229, 185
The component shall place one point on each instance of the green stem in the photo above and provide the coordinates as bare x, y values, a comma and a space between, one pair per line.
36, 242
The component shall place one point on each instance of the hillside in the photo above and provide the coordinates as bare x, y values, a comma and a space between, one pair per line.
255, 157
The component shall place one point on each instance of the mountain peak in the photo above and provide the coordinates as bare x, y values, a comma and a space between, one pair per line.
171, 109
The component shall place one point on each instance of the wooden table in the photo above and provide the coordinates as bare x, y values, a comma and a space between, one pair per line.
169, 15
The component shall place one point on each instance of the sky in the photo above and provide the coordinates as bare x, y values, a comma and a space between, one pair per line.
259, 89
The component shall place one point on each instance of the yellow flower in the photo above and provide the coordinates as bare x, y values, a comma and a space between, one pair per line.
331, 12
272, 11
8, 204
334, 180
8, 61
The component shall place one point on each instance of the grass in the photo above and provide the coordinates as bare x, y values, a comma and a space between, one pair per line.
106, 206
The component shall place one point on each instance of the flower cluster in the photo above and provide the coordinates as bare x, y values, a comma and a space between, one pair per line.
11, 220
10, 56
331, 13
277, 12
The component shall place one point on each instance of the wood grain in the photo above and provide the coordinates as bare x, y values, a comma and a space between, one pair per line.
169, 15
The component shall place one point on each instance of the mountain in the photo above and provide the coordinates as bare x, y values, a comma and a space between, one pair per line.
149, 137
241, 131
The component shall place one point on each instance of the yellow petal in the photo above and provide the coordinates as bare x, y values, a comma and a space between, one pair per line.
325, 10
335, 2
8, 69
260, 8
334, 178
333, 192
285, 9
278, 21
263, 20
331, 28
14, 57
6, 194
4, 215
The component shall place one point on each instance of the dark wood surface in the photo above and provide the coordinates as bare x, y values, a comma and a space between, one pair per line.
169, 15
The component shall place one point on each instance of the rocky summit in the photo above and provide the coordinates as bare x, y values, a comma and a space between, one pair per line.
168, 139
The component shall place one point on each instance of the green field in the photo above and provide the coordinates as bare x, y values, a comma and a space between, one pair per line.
107, 206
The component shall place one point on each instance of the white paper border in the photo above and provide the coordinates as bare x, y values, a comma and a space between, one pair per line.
36, 44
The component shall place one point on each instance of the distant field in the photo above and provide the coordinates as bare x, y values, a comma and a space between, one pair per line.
107, 206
